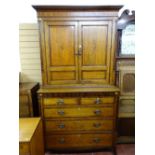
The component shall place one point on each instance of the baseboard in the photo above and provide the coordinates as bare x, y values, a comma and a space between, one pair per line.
126, 140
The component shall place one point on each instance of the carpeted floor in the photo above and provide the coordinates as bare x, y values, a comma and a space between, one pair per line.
122, 149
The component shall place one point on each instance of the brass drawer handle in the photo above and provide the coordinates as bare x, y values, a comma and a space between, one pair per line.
97, 112
97, 125
61, 126
96, 140
61, 112
98, 101
61, 141
60, 101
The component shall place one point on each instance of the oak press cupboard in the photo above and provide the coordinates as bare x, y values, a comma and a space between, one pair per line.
78, 97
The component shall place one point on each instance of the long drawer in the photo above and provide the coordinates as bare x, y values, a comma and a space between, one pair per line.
78, 112
78, 125
79, 140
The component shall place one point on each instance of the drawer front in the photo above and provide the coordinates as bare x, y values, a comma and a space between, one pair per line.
79, 140
78, 112
97, 100
78, 125
60, 101
24, 149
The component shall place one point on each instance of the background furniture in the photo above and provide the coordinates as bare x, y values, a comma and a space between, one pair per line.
78, 98
31, 136
126, 115
28, 102
126, 77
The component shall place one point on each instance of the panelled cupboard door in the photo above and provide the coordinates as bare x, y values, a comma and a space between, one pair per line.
95, 50
60, 49
77, 52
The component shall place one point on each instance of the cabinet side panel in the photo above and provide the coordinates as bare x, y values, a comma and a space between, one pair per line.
37, 145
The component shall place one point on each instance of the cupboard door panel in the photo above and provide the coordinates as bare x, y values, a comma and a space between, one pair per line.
86, 75
94, 43
62, 76
94, 47
61, 47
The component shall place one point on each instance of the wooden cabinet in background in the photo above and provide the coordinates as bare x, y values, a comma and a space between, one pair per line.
127, 89
78, 98
31, 136
126, 76
126, 112
28, 102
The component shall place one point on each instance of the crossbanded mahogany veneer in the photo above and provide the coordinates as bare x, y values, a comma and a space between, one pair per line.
78, 98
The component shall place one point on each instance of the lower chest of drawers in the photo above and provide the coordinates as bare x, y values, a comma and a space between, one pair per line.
78, 122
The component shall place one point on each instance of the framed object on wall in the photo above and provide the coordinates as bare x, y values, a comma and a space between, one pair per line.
126, 34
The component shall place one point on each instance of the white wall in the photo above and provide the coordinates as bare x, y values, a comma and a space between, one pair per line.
29, 50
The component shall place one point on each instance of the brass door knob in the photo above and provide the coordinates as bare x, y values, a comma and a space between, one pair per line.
80, 50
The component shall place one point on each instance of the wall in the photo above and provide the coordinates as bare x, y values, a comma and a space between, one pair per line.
29, 53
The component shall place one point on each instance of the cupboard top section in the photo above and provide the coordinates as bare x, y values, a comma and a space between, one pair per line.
80, 11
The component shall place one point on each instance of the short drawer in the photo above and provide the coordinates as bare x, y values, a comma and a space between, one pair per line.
60, 101
78, 125
78, 112
97, 100
24, 149
79, 140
